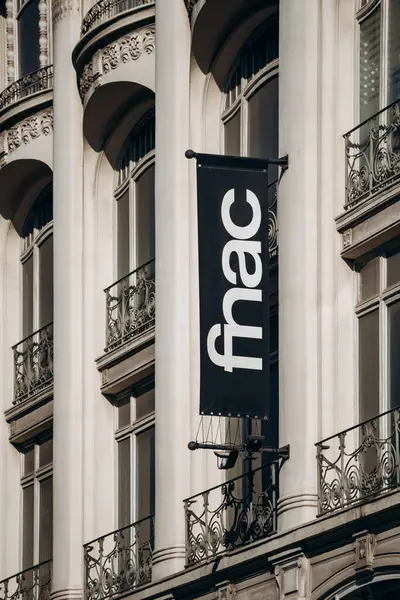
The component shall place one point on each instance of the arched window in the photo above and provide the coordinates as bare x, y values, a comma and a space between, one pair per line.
28, 36
250, 128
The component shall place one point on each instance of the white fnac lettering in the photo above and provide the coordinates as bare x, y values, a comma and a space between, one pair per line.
241, 244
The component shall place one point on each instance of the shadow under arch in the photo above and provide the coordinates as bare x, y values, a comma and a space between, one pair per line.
226, 24
111, 113
21, 182
382, 584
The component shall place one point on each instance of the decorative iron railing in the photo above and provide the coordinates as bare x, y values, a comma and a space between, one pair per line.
33, 364
373, 155
31, 584
237, 512
106, 9
130, 306
119, 561
359, 463
38, 81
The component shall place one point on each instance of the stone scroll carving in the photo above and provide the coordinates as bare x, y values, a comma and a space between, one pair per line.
25, 132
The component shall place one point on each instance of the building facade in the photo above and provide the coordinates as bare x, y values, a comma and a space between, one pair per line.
100, 497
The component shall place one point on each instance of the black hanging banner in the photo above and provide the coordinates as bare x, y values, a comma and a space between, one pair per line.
232, 196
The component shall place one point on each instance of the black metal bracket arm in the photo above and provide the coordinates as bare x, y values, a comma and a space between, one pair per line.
262, 163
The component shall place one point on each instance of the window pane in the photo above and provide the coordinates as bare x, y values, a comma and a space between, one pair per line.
46, 520
394, 353
369, 365
46, 453
232, 135
146, 473
124, 483
145, 404
394, 50
145, 228
124, 412
263, 122
123, 235
369, 64
28, 38
393, 269
46, 282
369, 276
27, 290
29, 461
27, 526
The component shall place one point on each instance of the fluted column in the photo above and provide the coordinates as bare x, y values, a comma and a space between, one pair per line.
299, 362
172, 277
68, 422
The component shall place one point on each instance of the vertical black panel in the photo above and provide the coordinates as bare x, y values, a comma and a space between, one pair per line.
28, 38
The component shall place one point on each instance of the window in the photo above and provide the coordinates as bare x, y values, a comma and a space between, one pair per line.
37, 265
37, 502
379, 55
250, 128
378, 312
134, 194
28, 36
136, 448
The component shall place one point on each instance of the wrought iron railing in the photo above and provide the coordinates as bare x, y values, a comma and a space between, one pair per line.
359, 463
373, 155
237, 512
38, 81
119, 561
31, 584
130, 306
106, 9
33, 364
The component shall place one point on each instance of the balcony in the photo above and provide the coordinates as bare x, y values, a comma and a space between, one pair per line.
373, 156
33, 364
104, 10
360, 463
130, 306
33, 83
31, 584
230, 515
120, 561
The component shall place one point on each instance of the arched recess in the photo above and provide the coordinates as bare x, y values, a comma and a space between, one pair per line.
382, 584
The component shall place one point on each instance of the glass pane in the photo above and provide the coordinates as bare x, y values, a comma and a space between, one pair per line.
145, 228
46, 520
28, 38
146, 472
393, 269
29, 461
394, 353
123, 235
369, 365
46, 453
369, 64
145, 404
27, 527
394, 50
369, 279
124, 412
124, 483
27, 290
46, 282
263, 122
232, 135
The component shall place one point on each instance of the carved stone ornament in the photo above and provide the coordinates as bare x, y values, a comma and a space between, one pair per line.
104, 377
30, 129
225, 591
10, 37
61, 8
347, 238
364, 548
292, 576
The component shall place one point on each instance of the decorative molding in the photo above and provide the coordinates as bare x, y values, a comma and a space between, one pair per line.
129, 47
189, 6
43, 33
292, 575
62, 8
364, 548
347, 238
104, 377
225, 591
28, 130
10, 36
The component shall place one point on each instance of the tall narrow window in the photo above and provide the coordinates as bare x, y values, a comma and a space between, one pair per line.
28, 37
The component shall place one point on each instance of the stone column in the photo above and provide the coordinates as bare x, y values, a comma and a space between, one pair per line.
299, 363
68, 285
172, 284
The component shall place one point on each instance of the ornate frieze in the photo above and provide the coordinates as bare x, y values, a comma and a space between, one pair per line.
130, 47
29, 129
